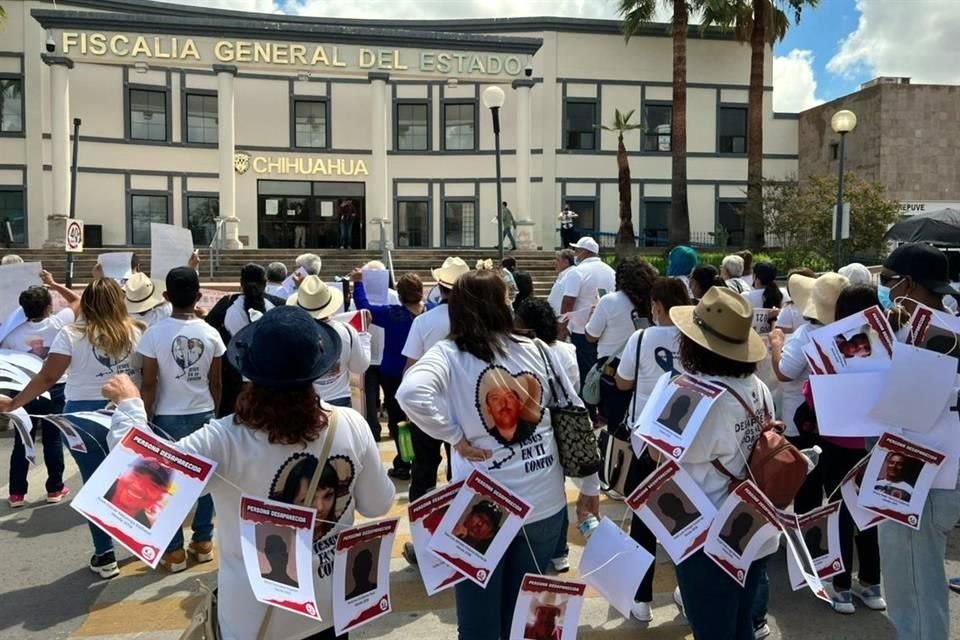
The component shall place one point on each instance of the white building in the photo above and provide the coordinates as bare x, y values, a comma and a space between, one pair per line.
273, 121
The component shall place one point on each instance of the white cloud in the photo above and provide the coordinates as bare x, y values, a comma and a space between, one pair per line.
919, 39
794, 85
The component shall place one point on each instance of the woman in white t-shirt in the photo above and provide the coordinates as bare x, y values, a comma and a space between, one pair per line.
486, 390
101, 344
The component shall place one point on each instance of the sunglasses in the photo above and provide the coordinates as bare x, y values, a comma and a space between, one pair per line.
887, 278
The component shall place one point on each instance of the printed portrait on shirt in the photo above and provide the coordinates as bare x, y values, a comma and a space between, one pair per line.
899, 476
509, 405
186, 353
142, 491
114, 366
277, 554
37, 347
332, 497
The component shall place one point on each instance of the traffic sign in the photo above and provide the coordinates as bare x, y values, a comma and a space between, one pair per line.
74, 239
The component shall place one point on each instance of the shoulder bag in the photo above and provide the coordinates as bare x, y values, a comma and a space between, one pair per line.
615, 447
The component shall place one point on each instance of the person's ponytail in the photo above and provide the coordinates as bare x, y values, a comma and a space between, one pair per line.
772, 296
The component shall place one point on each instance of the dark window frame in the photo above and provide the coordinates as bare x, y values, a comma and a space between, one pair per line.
145, 193
22, 131
596, 212
644, 133
185, 208
834, 150
128, 113
741, 202
401, 102
443, 123
746, 128
595, 102
325, 101
184, 116
644, 201
22, 190
475, 201
396, 226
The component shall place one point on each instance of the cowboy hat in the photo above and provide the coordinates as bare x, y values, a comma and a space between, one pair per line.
721, 322
141, 293
816, 298
453, 268
316, 298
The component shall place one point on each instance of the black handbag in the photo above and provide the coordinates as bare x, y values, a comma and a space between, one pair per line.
572, 428
615, 447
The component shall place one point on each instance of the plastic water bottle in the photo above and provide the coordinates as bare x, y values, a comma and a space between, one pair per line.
813, 457
588, 526
405, 442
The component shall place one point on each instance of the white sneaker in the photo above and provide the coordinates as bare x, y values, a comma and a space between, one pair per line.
561, 565
869, 595
677, 598
841, 601
641, 611
761, 632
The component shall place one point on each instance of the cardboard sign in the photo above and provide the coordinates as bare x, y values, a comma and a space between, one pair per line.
478, 527
850, 490
799, 555
276, 541
675, 509
675, 411
744, 523
361, 574
820, 532
73, 239
547, 609
142, 492
24, 427
614, 564
170, 247
859, 343
425, 514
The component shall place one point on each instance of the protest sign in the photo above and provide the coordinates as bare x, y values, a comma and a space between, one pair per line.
675, 411
478, 527
26, 362
798, 555
844, 404
14, 278
744, 523
24, 427
850, 490
361, 574
276, 541
675, 509
14, 319
547, 609
902, 401
614, 564
898, 477
820, 531
170, 247
934, 330
117, 265
69, 431
425, 514
375, 285
143, 490
860, 342
289, 286
762, 323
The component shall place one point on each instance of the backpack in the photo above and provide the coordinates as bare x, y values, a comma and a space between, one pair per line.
777, 467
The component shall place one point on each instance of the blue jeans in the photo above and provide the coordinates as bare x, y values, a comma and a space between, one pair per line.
95, 438
346, 232
52, 445
586, 354
175, 428
486, 614
508, 233
761, 601
916, 592
716, 607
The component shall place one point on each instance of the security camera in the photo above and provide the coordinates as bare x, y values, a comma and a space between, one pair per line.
51, 43
528, 71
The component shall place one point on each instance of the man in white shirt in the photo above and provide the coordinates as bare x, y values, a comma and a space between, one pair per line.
731, 271
276, 274
564, 263
591, 279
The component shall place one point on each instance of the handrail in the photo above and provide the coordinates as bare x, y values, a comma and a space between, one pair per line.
216, 245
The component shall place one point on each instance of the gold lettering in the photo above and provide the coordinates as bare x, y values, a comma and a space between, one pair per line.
384, 59
190, 50
275, 166
368, 59
158, 49
494, 65
116, 40
321, 168
513, 66
396, 61
361, 169
140, 47
477, 65
281, 53
319, 57
244, 52
261, 52
98, 44
260, 164
461, 57
443, 62
298, 53
223, 51
67, 40
336, 58
83, 44
426, 61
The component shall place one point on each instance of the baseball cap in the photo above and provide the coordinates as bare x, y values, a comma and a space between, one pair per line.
587, 244
926, 265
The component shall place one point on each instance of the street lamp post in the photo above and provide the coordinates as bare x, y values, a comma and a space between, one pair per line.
493, 98
842, 122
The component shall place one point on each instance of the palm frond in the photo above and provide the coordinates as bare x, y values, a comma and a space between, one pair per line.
635, 14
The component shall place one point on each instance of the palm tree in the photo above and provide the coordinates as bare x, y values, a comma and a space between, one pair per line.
635, 14
626, 239
9, 89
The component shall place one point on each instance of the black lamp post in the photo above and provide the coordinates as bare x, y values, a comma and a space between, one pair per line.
493, 98
842, 122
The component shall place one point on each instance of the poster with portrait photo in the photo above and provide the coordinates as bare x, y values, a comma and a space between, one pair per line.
744, 523
425, 515
67, 424
547, 609
675, 411
820, 530
799, 560
850, 492
934, 331
675, 509
24, 426
142, 492
479, 525
361, 574
862, 342
276, 541
898, 477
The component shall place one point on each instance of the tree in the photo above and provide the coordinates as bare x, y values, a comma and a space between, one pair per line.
626, 239
8, 89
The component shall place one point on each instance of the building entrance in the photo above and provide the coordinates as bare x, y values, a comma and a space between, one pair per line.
307, 215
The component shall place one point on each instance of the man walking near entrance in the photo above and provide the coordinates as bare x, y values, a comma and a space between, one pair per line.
509, 226
347, 213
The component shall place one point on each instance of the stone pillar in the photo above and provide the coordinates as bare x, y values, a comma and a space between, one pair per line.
378, 195
59, 148
227, 142
525, 223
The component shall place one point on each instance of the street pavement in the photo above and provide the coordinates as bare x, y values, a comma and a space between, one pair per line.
47, 592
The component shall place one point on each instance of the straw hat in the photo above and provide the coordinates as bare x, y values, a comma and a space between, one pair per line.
451, 270
817, 297
316, 298
723, 323
141, 293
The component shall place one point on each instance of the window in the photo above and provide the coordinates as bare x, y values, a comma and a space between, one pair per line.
656, 229
202, 212
580, 126
732, 130
730, 217
413, 127
201, 118
413, 223
656, 131
459, 126
310, 123
834, 150
145, 209
586, 210
148, 115
12, 218
11, 105
459, 224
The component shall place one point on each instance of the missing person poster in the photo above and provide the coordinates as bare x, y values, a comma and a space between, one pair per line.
547, 609
276, 540
798, 557
898, 478
675, 509
744, 523
850, 492
935, 331
26, 362
69, 431
820, 531
675, 411
477, 528
24, 428
142, 492
614, 564
425, 515
361, 574
858, 343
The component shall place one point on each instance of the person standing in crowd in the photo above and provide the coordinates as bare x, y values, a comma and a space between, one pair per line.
276, 274
144, 299
790, 317
11, 258
273, 446
446, 392
347, 214
703, 278
731, 270
323, 302
764, 292
508, 267
524, 282
563, 266
509, 226
35, 336
102, 342
568, 225
181, 390
588, 282
650, 352
856, 273
371, 379
747, 276
680, 263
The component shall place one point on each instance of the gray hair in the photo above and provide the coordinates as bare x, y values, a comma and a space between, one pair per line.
567, 254
11, 259
276, 272
375, 265
310, 263
733, 265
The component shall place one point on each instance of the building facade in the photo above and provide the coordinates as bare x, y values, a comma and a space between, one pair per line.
272, 123
907, 138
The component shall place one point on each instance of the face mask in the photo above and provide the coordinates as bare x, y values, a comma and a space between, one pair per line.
884, 294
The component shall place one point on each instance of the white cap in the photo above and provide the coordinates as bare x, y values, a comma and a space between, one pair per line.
587, 244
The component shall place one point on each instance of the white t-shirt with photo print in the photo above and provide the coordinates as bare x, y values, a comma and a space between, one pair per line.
90, 368
184, 351
659, 354
37, 337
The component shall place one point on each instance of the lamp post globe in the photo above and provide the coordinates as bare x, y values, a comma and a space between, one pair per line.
493, 97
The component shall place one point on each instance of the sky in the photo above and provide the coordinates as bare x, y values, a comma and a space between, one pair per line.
834, 49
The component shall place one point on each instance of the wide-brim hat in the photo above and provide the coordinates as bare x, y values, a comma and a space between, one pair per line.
721, 322
142, 293
451, 270
816, 298
316, 298
285, 349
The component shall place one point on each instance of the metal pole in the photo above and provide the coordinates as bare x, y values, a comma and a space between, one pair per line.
73, 193
495, 112
839, 231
